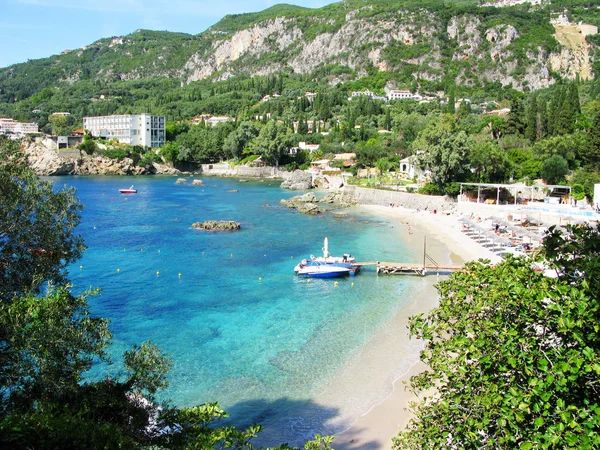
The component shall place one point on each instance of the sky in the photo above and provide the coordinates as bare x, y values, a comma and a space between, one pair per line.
32, 29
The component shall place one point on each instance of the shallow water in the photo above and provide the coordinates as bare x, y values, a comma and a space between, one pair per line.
240, 327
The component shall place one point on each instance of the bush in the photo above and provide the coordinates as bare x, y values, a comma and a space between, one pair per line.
452, 189
114, 153
430, 189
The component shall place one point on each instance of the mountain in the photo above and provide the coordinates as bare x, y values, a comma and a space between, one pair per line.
433, 43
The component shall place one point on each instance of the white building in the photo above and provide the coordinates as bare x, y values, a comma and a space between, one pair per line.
132, 129
403, 94
12, 126
215, 120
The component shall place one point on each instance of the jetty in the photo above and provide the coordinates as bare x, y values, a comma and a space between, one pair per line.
428, 266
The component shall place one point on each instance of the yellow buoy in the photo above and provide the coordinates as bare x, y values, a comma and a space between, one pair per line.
308, 281
353, 283
203, 253
260, 279
80, 267
231, 255
265, 255
159, 250
336, 283
179, 275
118, 270
157, 273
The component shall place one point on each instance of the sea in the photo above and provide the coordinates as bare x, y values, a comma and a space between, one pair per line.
240, 327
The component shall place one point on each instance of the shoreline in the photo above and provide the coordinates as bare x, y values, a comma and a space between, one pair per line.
383, 420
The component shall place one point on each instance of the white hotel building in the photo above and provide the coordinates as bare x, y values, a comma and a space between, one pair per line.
132, 129
8, 125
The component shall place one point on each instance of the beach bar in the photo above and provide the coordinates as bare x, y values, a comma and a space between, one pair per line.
519, 193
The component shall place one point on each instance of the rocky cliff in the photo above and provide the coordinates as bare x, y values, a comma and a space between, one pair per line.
525, 46
47, 161
491, 50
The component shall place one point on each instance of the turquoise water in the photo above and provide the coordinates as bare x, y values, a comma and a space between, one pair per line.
240, 327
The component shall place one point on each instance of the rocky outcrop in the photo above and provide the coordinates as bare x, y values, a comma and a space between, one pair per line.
197, 183
181, 181
221, 225
46, 160
574, 58
305, 204
298, 180
308, 208
337, 197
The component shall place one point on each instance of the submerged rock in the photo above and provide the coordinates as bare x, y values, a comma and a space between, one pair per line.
221, 225
197, 182
181, 181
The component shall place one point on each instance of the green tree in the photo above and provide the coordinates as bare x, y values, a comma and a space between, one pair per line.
555, 169
515, 123
61, 125
542, 120
587, 180
273, 141
513, 355
489, 162
591, 158
37, 227
531, 130
383, 165
443, 150
236, 141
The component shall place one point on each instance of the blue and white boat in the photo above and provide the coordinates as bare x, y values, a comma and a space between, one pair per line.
327, 266
321, 270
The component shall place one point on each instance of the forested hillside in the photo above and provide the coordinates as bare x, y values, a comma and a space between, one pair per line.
428, 44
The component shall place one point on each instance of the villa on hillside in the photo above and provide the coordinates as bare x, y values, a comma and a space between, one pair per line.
216, 120
304, 146
402, 94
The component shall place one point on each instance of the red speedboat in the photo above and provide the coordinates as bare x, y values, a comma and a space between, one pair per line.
131, 190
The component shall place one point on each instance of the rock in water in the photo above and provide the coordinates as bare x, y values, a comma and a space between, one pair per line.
221, 225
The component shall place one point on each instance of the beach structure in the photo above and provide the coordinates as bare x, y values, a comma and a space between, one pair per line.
428, 266
133, 129
518, 193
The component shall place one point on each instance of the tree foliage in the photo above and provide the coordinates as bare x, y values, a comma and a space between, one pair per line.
37, 227
443, 149
514, 354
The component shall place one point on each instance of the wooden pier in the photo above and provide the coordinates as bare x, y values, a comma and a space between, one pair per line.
429, 266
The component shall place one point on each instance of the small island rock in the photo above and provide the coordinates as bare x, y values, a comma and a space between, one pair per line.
221, 225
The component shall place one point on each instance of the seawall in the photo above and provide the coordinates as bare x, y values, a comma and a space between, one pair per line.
366, 196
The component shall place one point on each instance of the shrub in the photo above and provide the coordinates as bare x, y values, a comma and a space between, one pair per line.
430, 189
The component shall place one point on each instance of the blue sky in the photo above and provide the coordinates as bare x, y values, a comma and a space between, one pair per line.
32, 29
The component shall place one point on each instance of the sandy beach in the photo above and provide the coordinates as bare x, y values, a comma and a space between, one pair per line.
446, 244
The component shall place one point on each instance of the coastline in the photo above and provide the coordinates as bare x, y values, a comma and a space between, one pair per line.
446, 243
